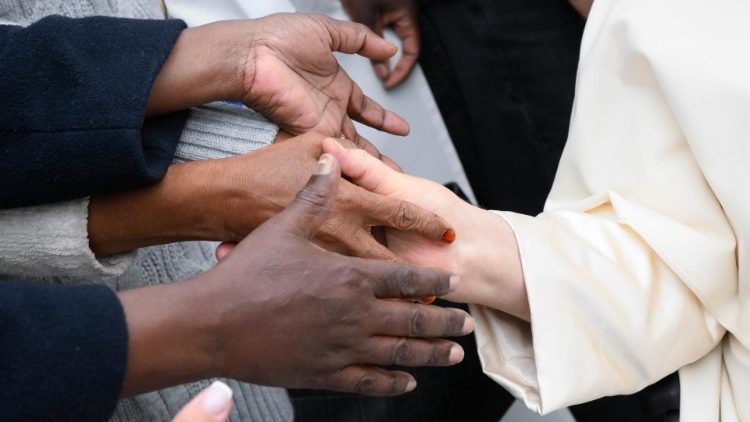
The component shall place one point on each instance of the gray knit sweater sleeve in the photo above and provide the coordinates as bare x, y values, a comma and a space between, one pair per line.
219, 130
52, 240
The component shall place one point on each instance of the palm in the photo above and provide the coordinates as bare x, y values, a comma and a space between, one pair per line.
293, 78
301, 100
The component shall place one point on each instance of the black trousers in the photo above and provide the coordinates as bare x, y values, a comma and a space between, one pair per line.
503, 74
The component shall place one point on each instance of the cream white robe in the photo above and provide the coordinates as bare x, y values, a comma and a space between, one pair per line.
639, 265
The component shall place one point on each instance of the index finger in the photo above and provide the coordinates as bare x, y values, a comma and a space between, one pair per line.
355, 38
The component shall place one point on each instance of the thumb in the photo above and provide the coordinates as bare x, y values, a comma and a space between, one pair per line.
210, 405
314, 202
364, 170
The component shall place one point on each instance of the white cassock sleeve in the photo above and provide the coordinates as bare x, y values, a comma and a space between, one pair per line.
631, 271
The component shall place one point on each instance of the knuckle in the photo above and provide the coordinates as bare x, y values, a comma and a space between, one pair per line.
356, 280
365, 384
406, 281
313, 195
405, 217
402, 352
417, 322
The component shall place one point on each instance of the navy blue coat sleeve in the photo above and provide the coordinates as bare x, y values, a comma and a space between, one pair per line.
63, 352
73, 95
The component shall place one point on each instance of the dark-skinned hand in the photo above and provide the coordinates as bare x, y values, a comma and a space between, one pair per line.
282, 66
226, 199
401, 16
281, 311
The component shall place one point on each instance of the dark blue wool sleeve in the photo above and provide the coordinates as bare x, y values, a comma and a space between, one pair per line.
73, 95
63, 352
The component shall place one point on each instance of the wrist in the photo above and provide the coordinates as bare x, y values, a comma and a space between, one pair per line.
489, 258
170, 211
165, 347
206, 64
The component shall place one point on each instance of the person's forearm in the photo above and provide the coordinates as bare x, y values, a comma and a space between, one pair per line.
206, 64
170, 335
167, 212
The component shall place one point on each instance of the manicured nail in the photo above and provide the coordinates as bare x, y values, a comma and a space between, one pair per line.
456, 355
217, 398
381, 70
449, 236
453, 282
325, 165
468, 325
429, 299
411, 385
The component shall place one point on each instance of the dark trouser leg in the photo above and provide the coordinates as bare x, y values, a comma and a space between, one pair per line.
503, 74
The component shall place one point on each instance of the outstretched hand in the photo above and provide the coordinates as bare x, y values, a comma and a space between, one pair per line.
280, 65
292, 76
401, 15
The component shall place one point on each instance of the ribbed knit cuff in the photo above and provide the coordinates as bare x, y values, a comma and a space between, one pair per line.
220, 130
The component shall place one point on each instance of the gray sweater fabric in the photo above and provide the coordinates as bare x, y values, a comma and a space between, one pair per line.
50, 242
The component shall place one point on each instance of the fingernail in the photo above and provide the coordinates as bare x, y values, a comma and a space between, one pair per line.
453, 282
217, 399
429, 299
456, 355
381, 70
468, 325
449, 236
393, 44
325, 165
411, 385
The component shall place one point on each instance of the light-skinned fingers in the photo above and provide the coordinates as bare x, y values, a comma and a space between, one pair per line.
406, 319
390, 163
224, 249
210, 405
363, 169
371, 381
410, 352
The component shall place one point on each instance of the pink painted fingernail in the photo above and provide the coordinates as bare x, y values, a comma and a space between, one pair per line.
217, 399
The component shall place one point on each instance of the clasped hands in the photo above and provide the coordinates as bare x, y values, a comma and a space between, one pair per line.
278, 310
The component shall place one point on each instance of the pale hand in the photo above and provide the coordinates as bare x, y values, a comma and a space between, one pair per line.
484, 254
